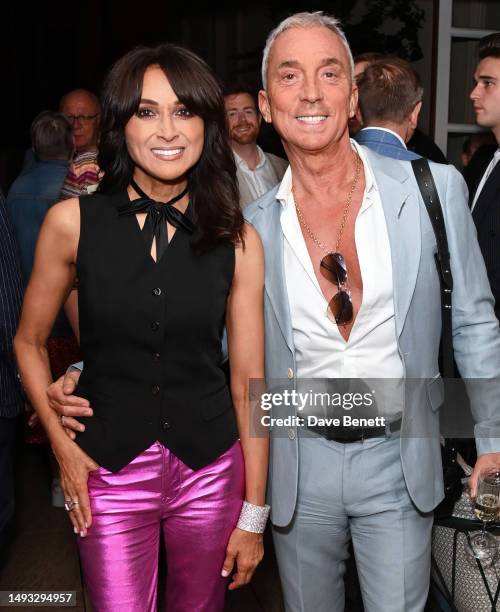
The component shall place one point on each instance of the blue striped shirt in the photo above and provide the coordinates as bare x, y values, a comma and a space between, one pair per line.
11, 293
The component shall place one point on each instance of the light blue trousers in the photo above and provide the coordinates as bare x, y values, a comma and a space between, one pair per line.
356, 491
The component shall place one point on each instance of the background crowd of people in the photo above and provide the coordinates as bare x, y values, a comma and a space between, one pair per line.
75, 152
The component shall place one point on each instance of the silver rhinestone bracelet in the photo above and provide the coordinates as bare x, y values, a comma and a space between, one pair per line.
253, 518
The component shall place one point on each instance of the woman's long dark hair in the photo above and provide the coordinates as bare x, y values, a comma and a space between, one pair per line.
212, 184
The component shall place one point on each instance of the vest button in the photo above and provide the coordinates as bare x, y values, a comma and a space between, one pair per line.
291, 433
166, 425
155, 389
290, 373
156, 291
155, 325
156, 356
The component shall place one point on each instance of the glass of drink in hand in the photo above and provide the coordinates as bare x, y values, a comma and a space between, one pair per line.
483, 545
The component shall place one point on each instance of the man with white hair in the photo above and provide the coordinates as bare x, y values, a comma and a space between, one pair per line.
352, 292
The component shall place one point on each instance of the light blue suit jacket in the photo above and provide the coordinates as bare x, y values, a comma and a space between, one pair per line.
385, 143
417, 305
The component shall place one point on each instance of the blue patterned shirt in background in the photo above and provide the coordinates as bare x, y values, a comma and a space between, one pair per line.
11, 292
385, 142
29, 198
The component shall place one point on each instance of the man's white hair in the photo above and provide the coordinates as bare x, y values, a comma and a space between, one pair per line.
305, 20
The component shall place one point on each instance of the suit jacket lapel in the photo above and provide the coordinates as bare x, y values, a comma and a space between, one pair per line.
272, 238
489, 193
402, 215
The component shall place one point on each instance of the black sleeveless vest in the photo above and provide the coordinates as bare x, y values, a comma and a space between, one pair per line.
151, 341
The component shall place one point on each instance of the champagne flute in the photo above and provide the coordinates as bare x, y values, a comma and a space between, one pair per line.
483, 545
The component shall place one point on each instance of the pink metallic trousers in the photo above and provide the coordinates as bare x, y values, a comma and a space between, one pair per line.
157, 492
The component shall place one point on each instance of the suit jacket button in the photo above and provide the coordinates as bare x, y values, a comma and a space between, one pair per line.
156, 291
166, 425
155, 325
155, 389
290, 373
291, 433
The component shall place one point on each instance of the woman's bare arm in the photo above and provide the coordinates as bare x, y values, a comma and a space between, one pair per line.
51, 281
245, 330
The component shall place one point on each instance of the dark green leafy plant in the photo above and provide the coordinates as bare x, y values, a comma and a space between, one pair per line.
384, 26
388, 26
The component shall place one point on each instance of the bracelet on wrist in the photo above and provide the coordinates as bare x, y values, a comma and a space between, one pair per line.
253, 518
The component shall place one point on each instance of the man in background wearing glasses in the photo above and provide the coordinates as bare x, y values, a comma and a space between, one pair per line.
82, 108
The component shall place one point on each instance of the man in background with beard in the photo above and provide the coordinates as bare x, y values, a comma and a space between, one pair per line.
257, 172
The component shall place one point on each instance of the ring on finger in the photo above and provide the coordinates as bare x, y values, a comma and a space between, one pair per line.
70, 504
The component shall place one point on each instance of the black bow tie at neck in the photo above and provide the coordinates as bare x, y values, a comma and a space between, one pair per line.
158, 213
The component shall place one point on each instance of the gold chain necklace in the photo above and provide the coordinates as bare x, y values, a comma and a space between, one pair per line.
309, 231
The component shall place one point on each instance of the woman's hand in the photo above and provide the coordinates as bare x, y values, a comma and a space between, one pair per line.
75, 466
246, 549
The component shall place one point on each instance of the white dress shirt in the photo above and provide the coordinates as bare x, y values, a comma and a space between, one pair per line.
266, 175
486, 176
371, 350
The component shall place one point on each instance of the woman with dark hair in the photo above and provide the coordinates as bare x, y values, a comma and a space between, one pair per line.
164, 261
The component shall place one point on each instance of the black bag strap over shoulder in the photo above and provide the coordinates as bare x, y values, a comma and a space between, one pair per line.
432, 203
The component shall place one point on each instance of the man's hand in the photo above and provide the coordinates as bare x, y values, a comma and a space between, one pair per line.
484, 462
67, 405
